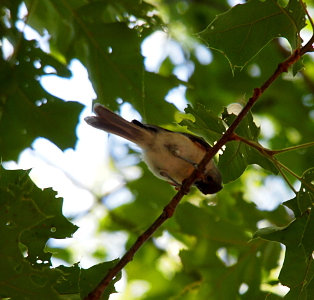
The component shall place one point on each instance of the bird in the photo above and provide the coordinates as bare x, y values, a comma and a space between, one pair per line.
171, 156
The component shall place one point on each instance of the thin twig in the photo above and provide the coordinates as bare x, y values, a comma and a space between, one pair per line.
276, 152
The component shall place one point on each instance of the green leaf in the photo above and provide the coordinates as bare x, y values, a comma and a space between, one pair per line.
238, 155
77, 283
297, 271
54, 226
305, 197
29, 111
56, 18
59, 17
162, 287
90, 278
112, 54
221, 253
102, 35
19, 279
247, 128
69, 283
273, 297
246, 28
206, 123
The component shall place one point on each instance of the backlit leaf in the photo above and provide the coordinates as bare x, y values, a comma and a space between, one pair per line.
206, 123
29, 111
238, 155
246, 28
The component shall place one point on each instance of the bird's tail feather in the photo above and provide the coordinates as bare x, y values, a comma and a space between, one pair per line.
110, 122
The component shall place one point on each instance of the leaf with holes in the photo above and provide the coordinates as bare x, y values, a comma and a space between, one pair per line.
77, 282
54, 226
245, 29
19, 212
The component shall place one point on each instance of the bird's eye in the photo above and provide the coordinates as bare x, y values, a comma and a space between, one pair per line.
209, 179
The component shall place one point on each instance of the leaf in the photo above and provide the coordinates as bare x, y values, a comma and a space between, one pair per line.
29, 111
102, 35
56, 18
112, 54
238, 155
245, 29
305, 197
297, 271
206, 123
54, 226
89, 279
19, 279
273, 297
221, 254
69, 283
59, 17
78, 282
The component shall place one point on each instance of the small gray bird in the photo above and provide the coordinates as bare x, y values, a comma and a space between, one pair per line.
171, 156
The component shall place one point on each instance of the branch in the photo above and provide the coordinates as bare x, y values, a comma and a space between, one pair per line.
169, 210
128, 256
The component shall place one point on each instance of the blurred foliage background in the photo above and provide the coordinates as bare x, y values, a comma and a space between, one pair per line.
207, 250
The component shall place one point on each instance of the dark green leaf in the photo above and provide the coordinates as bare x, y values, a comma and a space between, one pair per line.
206, 123
220, 253
54, 226
29, 111
19, 213
246, 28
297, 270
69, 283
238, 155
77, 283
305, 197
90, 278
112, 54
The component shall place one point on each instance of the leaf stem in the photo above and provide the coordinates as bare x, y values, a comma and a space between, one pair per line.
275, 152
286, 180
270, 155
